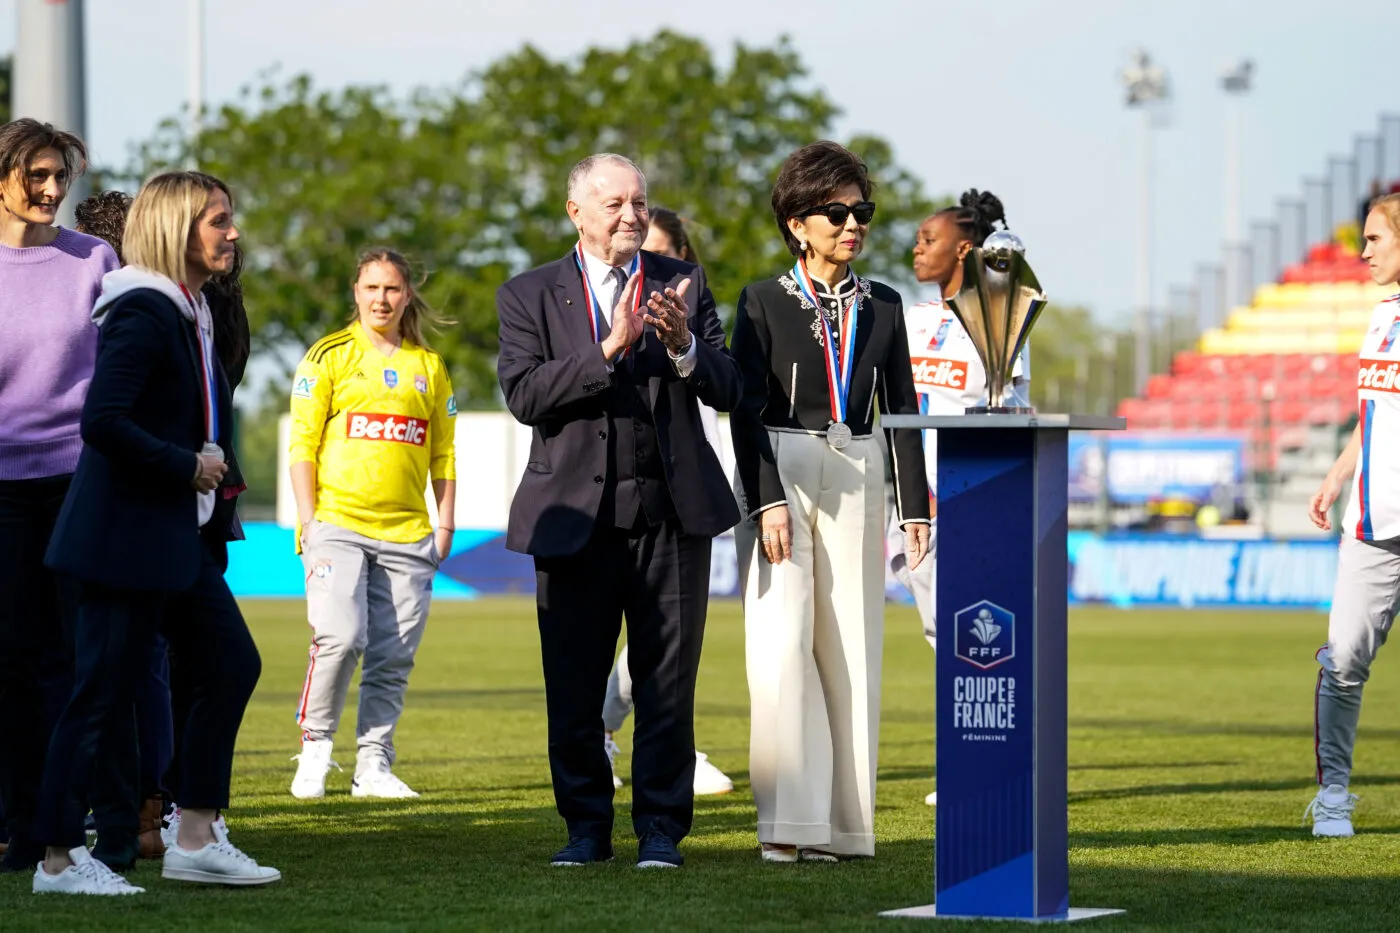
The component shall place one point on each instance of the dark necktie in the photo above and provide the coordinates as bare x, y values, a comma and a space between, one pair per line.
618, 280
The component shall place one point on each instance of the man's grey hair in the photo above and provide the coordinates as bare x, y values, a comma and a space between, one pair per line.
579, 176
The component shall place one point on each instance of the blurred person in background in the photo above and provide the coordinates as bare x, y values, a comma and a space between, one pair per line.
372, 419
1367, 592
49, 279
667, 237
948, 373
818, 347
146, 521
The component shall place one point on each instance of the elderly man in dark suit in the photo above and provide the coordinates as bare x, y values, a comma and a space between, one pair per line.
605, 353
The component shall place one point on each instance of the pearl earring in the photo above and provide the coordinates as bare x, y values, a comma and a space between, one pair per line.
802, 245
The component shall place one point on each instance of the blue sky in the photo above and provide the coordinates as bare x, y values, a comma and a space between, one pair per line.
1018, 97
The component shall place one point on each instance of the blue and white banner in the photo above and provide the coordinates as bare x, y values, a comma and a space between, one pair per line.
1143, 570
1142, 466
1138, 570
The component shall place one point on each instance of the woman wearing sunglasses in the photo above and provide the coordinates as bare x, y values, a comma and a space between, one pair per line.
819, 348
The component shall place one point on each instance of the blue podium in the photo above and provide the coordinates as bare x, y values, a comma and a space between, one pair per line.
1002, 825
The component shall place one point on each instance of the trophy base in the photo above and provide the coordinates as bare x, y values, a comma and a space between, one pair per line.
998, 410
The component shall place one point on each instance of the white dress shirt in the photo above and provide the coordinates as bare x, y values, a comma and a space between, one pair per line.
599, 273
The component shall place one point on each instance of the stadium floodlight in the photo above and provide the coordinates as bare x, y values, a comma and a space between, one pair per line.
1146, 82
1238, 79
1148, 87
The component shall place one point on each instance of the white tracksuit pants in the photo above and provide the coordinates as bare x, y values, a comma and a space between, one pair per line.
920, 582
1364, 603
814, 630
370, 598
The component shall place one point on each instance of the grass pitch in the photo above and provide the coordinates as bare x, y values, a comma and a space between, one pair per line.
1190, 756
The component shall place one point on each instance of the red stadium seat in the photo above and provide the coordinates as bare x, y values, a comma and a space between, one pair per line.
1186, 362
1158, 385
1244, 414
1290, 412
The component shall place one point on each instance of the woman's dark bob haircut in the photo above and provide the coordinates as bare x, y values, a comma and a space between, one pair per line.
810, 177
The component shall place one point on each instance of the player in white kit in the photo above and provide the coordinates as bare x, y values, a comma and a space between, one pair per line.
1368, 560
947, 372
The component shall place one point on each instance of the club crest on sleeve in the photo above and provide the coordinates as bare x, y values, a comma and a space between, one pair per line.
985, 635
391, 378
303, 386
421, 383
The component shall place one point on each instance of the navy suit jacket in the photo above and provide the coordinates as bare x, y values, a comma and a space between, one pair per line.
555, 379
130, 518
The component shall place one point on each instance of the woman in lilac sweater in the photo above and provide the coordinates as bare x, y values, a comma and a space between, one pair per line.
50, 278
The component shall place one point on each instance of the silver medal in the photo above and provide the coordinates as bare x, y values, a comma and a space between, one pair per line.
838, 434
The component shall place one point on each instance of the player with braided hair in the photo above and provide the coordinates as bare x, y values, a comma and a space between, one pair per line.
948, 374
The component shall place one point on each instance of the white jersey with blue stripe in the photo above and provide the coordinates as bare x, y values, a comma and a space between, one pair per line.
948, 374
1373, 511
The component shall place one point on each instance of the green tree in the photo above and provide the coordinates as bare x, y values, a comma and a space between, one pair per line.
1077, 364
471, 181
5, 106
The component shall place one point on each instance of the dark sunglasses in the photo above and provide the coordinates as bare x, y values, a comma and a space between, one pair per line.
837, 212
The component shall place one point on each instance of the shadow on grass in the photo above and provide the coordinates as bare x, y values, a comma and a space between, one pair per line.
381, 870
1214, 787
1215, 836
1145, 727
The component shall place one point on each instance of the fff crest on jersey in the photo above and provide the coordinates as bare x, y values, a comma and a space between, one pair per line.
998, 304
984, 635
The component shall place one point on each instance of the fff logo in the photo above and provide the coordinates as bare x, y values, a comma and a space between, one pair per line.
985, 635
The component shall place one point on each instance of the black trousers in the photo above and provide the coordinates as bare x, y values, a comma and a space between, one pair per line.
115, 637
141, 747
36, 666
658, 579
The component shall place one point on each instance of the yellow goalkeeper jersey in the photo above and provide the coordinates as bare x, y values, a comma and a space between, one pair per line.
374, 426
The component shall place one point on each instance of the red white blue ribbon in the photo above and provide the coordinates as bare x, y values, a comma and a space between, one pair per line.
595, 307
206, 371
839, 360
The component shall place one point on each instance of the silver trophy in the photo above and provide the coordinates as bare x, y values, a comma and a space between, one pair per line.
998, 304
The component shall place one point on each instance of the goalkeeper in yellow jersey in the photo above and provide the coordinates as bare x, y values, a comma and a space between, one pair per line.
372, 416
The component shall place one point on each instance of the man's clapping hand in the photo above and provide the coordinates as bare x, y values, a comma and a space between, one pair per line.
626, 324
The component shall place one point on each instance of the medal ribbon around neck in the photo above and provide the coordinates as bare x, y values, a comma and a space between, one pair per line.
838, 365
595, 307
206, 372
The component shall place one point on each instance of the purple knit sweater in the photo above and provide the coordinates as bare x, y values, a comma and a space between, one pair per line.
48, 345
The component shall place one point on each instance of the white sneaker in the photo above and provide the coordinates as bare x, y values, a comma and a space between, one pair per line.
314, 763
381, 782
708, 778
611, 748
219, 862
1331, 812
170, 829
932, 799
85, 876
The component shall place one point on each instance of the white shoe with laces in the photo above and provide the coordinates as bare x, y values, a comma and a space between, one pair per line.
381, 782
611, 748
708, 778
85, 876
313, 764
170, 830
1331, 812
219, 862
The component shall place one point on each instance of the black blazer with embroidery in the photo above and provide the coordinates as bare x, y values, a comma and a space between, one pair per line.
780, 349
